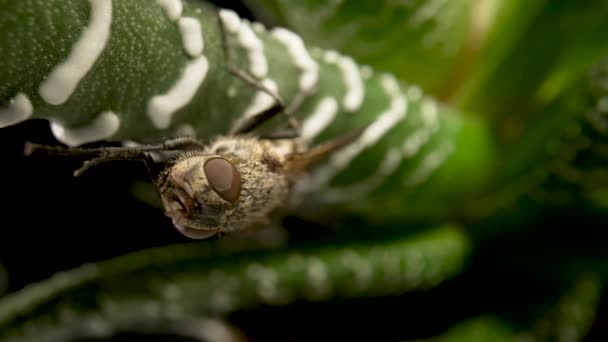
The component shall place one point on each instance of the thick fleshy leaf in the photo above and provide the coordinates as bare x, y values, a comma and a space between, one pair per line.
172, 284
493, 58
483, 329
422, 42
145, 83
560, 157
571, 317
567, 319
536, 52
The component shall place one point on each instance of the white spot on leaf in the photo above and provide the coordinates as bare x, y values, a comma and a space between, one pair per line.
103, 127
62, 81
162, 107
19, 109
192, 36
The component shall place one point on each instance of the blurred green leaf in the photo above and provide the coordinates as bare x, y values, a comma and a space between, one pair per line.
536, 51
483, 329
560, 157
200, 279
571, 317
422, 42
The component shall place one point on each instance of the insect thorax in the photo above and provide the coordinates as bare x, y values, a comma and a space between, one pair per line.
264, 184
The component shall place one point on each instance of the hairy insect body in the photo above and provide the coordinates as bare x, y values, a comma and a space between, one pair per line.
255, 183
235, 183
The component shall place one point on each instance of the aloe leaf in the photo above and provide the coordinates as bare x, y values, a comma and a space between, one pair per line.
567, 319
450, 48
479, 329
135, 90
539, 50
560, 157
202, 279
571, 317
422, 42
494, 58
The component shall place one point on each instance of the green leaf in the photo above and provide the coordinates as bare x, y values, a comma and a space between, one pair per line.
411, 152
537, 50
480, 329
571, 317
422, 42
560, 156
493, 58
171, 283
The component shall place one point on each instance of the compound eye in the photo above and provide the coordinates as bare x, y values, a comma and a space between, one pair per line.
223, 177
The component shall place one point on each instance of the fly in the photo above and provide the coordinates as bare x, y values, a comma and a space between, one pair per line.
236, 182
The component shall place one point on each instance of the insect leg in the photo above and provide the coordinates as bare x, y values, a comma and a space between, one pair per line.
106, 154
258, 118
104, 159
236, 71
169, 145
295, 130
281, 134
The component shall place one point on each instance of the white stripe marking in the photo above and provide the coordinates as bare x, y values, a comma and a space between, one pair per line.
231, 20
267, 282
258, 27
316, 273
414, 93
323, 115
19, 109
412, 145
297, 50
396, 112
258, 64
429, 164
192, 35
429, 112
390, 163
426, 12
162, 107
392, 159
173, 8
257, 60
262, 100
352, 77
352, 80
185, 130
367, 72
361, 268
62, 81
331, 56
104, 126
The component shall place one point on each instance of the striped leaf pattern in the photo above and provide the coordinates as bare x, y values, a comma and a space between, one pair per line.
160, 288
146, 70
